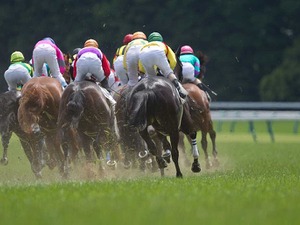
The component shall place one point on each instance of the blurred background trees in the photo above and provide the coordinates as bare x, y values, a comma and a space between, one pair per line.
253, 46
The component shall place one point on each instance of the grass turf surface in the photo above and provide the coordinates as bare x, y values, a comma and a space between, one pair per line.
256, 183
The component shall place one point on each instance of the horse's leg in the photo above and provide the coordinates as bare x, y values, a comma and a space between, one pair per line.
212, 134
181, 146
175, 153
196, 168
86, 144
27, 149
53, 148
5, 136
36, 164
153, 150
65, 144
98, 151
204, 147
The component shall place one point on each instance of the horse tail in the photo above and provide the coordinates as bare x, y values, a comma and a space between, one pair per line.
75, 107
137, 109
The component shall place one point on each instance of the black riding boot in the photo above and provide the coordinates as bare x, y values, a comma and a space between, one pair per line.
200, 85
104, 84
177, 86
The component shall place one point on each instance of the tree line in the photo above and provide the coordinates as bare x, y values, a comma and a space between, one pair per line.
252, 46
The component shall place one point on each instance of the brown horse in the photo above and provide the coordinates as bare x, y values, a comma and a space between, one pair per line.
37, 115
9, 103
197, 108
67, 74
85, 108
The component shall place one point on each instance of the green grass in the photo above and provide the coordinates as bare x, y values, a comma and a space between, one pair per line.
256, 183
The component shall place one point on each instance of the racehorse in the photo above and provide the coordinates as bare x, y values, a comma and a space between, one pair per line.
197, 117
37, 116
155, 101
197, 108
130, 140
9, 103
67, 74
85, 108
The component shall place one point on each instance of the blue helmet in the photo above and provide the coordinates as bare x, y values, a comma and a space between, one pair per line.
49, 39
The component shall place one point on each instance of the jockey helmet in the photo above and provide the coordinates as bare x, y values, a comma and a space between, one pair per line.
49, 39
127, 39
76, 50
155, 36
186, 49
139, 35
91, 43
17, 57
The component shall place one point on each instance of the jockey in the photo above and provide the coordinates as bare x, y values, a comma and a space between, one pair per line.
113, 81
91, 62
46, 51
74, 56
120, 71
19, 72
131, 56
191, 67
158, 55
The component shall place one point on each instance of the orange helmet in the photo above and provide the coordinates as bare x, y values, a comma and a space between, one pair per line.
91, 43
139, 35
127, 39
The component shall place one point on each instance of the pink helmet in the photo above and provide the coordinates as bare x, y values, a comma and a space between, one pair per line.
186, 49
127, 39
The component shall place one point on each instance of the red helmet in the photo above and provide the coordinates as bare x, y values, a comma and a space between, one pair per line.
127, 39
186, 49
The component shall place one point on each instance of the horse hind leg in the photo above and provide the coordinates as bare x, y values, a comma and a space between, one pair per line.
174, 137
5, 141
208, 163
196, 168
153, 150
213, 135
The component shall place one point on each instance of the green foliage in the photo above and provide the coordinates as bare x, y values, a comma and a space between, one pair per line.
244, 40
284, 82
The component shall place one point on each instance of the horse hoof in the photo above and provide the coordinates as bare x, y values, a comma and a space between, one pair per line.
38, 175
143, 154
196, 167
4, 161
51, 164
127, 165
209, 165
167, 156
216, 163
111, 164
163, 164
179, 175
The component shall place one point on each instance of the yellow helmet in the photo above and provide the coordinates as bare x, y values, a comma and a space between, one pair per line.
17, 57
91, 43
139, 35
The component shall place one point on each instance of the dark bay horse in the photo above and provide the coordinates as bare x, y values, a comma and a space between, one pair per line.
198, 110
9, 104
131, 143
85, 108
155, 101
37, 116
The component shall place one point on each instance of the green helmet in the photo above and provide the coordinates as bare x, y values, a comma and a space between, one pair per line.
155, 36
17, 57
